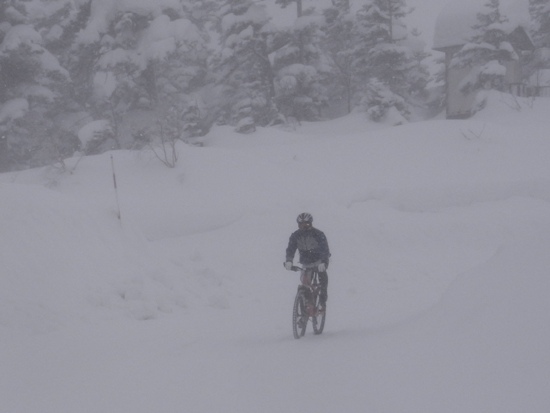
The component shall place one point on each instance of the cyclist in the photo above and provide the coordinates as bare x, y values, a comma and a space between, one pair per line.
314, 252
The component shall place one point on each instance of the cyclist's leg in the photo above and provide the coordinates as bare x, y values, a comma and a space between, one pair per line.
308, 276
323, 296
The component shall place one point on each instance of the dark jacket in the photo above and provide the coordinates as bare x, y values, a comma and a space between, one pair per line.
312, 244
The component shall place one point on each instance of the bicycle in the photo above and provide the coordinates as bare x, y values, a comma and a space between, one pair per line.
306, 303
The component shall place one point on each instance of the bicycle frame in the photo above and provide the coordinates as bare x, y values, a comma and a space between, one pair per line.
310, 284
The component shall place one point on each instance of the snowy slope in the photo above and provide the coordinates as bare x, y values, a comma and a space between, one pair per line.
438, 283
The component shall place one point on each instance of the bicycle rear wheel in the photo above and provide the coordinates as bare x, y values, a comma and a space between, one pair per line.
299, 315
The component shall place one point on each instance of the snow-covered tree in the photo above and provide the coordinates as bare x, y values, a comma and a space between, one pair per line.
301, 70
299, 5
147, 56
202, 13
12, 12
380, 102
486, 51
243, 66
338, 44
78, 58
540, 15
175, 61
35, 89
385, 56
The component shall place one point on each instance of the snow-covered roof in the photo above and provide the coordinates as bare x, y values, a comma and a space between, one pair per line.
453, 26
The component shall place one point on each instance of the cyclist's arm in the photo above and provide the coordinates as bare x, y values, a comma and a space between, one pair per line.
323, 247
292, 247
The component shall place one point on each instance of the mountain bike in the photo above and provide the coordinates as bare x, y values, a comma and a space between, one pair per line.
306, 303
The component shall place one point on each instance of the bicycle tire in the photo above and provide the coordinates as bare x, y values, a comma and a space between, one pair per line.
299, 316
318, 321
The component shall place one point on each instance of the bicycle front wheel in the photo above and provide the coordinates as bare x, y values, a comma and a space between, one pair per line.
299, 315
318, 322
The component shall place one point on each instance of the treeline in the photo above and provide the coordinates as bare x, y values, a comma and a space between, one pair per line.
127, 74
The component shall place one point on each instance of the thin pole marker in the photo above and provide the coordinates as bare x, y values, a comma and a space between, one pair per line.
116, 189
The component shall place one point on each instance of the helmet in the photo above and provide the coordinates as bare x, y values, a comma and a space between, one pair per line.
304, 217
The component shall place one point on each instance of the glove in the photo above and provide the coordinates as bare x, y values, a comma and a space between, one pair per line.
322, 267
288, 265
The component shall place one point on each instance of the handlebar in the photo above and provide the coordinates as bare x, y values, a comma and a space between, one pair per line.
295, 268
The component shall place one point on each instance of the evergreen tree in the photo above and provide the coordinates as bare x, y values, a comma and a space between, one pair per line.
202, 13
339, 42
174, 79
486, 50
540, 34
244, 68
384, 58
35, 91
301, 70
299, 5
540, 15
150, 59
78, 58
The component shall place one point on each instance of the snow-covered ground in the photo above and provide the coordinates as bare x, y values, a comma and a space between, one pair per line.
439, 280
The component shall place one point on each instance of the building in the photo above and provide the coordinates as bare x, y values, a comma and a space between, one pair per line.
454, 29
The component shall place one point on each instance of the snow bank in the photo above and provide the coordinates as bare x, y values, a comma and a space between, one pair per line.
438, 290
63, 262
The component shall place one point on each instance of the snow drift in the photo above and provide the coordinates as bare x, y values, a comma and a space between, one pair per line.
438, 288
